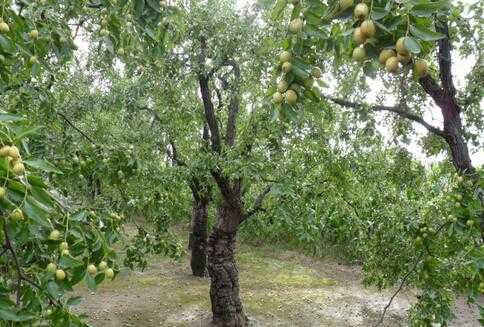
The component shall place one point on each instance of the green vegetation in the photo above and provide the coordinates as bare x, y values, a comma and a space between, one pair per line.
348, 131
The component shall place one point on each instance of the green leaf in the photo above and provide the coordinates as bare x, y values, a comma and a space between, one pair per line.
10, 117
378, 13
278, 10
36, 213
66, 261
43, 165
54, 289
139, 7
426, 8
74, 301
27, 132
412, 45
425, 34
91, 282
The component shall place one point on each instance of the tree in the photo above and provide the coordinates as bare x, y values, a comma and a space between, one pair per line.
396, 35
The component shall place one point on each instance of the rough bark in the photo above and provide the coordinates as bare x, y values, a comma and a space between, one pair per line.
227, 307
198, 237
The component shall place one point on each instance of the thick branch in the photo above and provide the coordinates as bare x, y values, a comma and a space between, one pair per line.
395, 110
234, 106
174, 155
210, 114
445, 58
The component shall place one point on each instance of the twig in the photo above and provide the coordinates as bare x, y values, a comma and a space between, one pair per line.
76, 128
404, 280
402, 283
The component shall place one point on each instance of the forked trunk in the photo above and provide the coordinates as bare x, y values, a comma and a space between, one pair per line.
198, 238
227, 307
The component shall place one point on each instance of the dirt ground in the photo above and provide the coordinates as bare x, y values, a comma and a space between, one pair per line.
278, 288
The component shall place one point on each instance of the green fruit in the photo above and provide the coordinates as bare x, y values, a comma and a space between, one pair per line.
391, 65
282, 86
65, 252
277, 98
91, 269
418, 240
458, 197
103, 265
421, 69
470, 223
109, 273
4, 151
34, 34
13, 152
60, 274
63, 246
104, 32
286, 67
4, 27
361, 11
121, 52
400, 46
359, 54
404, 59
51, 267
308, 84
368, 28
316, 72
291, 97
3, 193
18, 168
358, 36
285, 56
33, 60
296, 25
17, 215
54, 235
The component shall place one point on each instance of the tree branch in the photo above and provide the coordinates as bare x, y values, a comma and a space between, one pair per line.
257, 204
395, 110
210, 114
444, 58
234, 106
76, 128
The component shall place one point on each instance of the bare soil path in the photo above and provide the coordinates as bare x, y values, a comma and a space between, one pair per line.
278, 288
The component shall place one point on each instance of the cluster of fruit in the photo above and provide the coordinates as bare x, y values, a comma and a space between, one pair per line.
12, 155
33, 34
286, 92
91, 269
389, 57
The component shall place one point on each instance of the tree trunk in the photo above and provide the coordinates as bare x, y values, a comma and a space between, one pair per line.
227, 307
198, 238
458, 147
